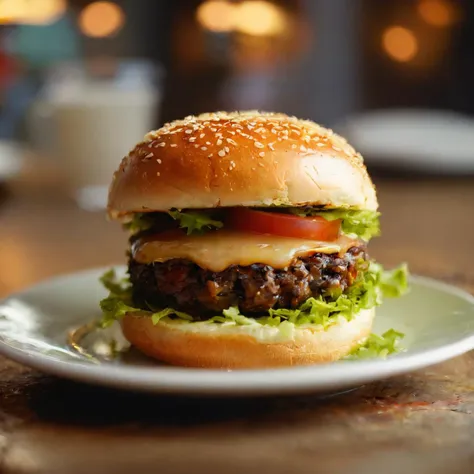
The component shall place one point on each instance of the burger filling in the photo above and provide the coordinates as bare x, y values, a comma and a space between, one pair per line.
278, 266
254, 289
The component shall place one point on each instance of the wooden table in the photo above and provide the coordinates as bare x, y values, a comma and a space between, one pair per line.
418, 423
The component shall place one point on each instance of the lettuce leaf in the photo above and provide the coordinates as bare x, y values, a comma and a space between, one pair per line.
119, 302
365, 224
139, 222
378, 346
393, 283
367, 291
195, 222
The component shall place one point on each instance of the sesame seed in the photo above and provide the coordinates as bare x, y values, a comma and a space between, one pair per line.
202, 135
262, 154
173, 145
261, 164
158, 173
303, 148
196, 145
227, 149
188, 131
208, 143
149, 155
162, 144
209, 156
204, 148
231, 132
219, 142
270, 145
232, 142
192, 139
320, 144
221, 153
259, 145
158, 161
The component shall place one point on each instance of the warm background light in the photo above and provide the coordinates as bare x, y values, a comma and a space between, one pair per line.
440, 13
260, 18
101, 19
217, 16
400, 43
253, 17
31, 12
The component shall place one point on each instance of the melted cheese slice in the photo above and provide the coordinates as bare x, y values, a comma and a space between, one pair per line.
220, 249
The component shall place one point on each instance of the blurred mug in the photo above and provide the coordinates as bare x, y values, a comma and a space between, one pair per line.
89, 129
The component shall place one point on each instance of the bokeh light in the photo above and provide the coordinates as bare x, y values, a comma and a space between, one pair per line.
253, 17
260, 18
217, 16
400, 43
439, 13
34, 13
101, 19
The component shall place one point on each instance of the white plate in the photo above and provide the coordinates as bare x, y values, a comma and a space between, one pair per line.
414, 139
438, 321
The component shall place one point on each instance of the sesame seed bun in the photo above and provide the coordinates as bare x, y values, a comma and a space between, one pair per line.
240, 159
231, 346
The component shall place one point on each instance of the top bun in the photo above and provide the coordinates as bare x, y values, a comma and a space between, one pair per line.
240, 159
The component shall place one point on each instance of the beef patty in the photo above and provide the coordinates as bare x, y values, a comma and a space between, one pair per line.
184, 286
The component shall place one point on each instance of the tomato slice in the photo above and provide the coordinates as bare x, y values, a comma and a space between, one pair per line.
261, 222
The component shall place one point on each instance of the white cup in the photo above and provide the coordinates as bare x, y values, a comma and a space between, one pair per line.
89, 129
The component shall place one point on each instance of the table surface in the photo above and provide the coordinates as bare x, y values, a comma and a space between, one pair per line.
421, 423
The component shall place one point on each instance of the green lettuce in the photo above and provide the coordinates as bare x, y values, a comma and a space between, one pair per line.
139, 222
378, 346
367, 291
195, 222
119, 302
365, 224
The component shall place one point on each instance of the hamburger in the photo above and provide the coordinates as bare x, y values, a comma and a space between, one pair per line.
248, 237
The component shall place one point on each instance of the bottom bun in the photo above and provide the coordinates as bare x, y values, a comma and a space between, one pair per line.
230, 346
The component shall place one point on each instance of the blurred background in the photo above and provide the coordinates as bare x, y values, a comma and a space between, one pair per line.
81, 81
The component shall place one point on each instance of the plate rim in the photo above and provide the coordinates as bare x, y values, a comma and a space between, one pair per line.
220, 382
